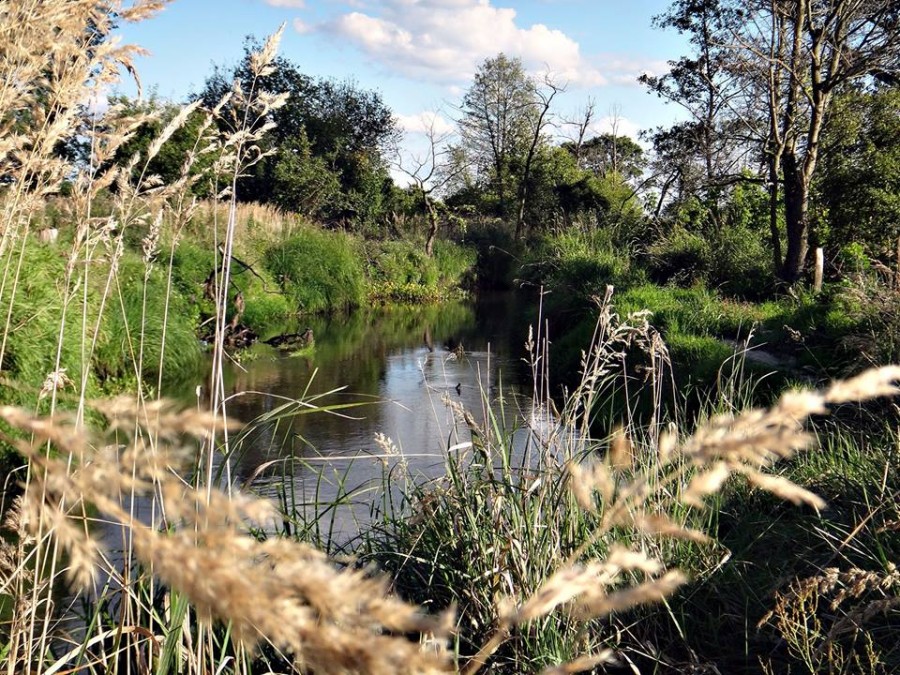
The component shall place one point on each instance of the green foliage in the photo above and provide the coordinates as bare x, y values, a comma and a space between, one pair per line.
400, 270
858, 189
36, 316
170, 159
146, 330
734, 259
327, 145
265, 310
610, 154
680, 257
455, 263
403, 263
301, 181
623, 215
499, 114
318, 270
192, 264
740, 263
576, 266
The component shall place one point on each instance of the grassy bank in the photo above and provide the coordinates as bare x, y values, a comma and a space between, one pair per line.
768, 586
850, 324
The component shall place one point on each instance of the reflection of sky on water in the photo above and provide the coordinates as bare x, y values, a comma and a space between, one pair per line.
402, 387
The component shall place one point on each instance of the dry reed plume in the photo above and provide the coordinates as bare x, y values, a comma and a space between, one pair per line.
334, 619
331, 619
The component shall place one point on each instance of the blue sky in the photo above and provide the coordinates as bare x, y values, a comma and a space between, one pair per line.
420, 54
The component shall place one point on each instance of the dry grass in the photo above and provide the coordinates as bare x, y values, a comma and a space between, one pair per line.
328, 617
197, 589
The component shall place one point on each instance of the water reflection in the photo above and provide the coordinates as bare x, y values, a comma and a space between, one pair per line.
403, 372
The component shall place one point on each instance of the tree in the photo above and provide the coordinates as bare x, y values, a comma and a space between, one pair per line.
329, 134
778, 66
169, 161
430, 173
498, 121
610, 153
832, 44
504, 115
708, 147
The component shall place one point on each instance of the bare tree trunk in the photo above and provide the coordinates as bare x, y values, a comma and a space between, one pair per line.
796, 215
546, 99
820, 270
432, 226
774, 232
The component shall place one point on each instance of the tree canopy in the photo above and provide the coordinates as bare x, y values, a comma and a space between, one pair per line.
326, 152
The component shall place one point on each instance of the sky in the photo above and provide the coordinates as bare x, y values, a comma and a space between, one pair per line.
421, 54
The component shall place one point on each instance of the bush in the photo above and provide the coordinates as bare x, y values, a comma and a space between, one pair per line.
400, 263
265, 311
318, 271
455, 263
577, 266
682, 258
740, 263
734, 259
400, 271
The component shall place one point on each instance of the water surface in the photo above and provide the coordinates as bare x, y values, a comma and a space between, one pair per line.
404, 372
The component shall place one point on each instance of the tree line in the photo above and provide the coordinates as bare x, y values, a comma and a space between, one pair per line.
790, 136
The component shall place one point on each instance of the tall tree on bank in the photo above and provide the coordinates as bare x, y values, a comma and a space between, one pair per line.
327, 149
504, 114
787, 59
827, 45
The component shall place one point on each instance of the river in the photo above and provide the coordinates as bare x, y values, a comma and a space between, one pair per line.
398, 371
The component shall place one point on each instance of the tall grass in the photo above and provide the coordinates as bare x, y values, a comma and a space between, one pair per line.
592, 526
319, 270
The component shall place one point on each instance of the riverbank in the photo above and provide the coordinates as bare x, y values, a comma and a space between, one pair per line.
811, 336
436, 535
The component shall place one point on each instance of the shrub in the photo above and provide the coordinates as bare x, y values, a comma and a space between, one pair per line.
400, 263
740, 263
265, 311
682, 257
577, 266
400, 270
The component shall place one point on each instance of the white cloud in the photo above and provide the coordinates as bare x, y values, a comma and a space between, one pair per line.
627, 70
302, 26
622, 125
425, 122
294, 4
445, 40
